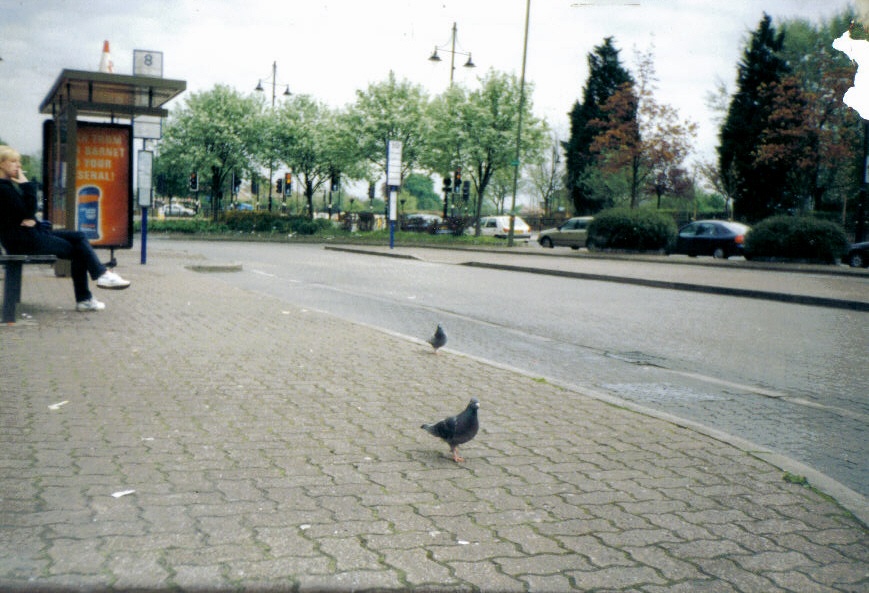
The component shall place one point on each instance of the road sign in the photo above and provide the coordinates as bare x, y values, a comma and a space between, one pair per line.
393, 163
147, 63
143, 176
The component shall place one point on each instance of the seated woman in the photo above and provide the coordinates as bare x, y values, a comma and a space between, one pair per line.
20, 234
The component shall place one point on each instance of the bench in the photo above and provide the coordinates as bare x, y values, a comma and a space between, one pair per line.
13, 266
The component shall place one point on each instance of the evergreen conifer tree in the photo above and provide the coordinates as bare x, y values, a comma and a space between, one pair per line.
606, 75
757, 189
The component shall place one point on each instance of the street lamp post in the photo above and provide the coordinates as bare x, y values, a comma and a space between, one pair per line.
259, 88
452, 49
519, 128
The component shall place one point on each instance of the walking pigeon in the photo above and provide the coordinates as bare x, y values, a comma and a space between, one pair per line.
439, 339
457, 429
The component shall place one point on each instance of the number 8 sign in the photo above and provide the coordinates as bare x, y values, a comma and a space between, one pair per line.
147, 63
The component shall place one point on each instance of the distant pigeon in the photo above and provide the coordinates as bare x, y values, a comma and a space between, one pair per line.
458, 429
439, 339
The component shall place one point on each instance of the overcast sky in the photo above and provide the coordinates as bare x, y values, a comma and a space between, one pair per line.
331, 48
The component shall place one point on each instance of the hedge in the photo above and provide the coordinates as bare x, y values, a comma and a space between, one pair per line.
633, 230
799, 238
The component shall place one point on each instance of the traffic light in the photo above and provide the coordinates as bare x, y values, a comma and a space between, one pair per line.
194, 181
254, 186
288, 184
448, 183
280, 186
370, 191
236, 183
457, 180
466, 190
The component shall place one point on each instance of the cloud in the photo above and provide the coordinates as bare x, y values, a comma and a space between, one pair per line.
331, 48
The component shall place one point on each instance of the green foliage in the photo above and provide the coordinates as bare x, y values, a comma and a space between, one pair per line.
795, 479
477, 130
800, 237
757, 189
421, 187
606, 76
308, 137
183, 226
390, 110
214, 133
268, 222
631, 229
235, 222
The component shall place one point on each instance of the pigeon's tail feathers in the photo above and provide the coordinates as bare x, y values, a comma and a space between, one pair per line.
434, 429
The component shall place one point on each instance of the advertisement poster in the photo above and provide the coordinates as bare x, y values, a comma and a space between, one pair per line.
103, 186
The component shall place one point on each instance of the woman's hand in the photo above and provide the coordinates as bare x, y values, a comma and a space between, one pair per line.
28, 222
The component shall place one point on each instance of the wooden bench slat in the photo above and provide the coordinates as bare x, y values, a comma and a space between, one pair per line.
35, 259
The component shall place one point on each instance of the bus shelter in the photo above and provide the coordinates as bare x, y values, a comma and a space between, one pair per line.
88, 149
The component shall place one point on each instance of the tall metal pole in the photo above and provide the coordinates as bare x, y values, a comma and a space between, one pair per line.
453, 55
519, 128
271, 164
274, 81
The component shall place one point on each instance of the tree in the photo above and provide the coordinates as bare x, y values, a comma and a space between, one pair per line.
547, 176
606, 76
212, 134
479, 132
306, 140
421, 187
673, 181
501, 188
756, 188
810, 130
646, 139
390, 110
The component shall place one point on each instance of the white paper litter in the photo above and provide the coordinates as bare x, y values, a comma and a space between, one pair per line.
57, 405
122, 493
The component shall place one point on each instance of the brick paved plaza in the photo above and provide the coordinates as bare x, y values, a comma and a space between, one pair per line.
195, 436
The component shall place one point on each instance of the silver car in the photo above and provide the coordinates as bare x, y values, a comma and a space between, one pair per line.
572, 233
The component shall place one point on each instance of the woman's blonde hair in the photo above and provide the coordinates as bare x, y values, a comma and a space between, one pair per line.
7, 153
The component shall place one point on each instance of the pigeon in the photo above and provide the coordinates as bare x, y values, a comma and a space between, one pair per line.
439, 339
457, 429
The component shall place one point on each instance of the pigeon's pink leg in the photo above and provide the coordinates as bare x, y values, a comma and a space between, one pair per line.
456, 457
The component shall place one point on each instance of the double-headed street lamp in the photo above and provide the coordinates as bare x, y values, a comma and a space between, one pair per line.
259, 88
273, 80
452, 49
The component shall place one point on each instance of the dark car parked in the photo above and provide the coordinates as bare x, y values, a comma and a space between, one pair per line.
858, 255
718, 238
420, 223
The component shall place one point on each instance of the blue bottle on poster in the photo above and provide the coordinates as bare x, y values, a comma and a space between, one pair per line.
89, 211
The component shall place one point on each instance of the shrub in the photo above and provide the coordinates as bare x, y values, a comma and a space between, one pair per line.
801, 237
634, 230
189, 226
269, 222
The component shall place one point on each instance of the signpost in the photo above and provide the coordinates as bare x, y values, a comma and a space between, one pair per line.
143, 176
393, 181
146, 127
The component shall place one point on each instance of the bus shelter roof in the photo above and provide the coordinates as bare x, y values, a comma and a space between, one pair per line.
110, 95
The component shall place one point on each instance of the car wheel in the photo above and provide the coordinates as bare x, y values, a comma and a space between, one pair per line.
719, 253
856, 261
546, 242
